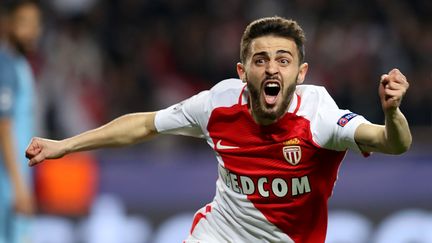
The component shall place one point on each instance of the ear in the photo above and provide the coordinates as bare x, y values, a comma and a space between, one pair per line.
302, 72
241, 72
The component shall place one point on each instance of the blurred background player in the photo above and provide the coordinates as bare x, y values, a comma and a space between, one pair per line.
20, 22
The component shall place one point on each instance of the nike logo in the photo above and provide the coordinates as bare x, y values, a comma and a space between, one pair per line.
219, 146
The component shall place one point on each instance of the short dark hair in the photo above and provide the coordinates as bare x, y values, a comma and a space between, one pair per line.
10, 6
276, 26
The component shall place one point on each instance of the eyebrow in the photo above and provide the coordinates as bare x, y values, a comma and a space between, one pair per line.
264, 53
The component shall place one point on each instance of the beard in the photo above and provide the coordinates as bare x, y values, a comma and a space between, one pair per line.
21, 47
264, 111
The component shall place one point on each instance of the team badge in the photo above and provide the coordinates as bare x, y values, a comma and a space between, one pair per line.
292, 154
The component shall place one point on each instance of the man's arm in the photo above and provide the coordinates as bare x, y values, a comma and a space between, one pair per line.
23, 199
395, 136
125, 130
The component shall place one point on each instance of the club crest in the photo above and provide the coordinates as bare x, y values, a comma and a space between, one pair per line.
292, 154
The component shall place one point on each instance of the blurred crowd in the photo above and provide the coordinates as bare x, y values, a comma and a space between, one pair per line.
101, 59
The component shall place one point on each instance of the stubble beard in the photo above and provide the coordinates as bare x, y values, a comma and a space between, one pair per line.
20, 47
267, 113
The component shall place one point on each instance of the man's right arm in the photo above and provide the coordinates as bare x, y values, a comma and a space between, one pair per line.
125, 130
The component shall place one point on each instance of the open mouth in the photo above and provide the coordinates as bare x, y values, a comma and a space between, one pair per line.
271, 91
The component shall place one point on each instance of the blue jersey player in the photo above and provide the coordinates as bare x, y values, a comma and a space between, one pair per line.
22, 28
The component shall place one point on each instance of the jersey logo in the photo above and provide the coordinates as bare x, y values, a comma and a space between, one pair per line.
6, 99
292, 141
346, 118
219, 146
292, 154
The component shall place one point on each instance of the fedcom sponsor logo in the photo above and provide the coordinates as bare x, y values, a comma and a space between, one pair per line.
264, 186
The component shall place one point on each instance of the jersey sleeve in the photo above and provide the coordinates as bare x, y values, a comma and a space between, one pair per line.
184, 118
6, 88
334, 127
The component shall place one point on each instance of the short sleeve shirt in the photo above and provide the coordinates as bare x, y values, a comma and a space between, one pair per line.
278, 176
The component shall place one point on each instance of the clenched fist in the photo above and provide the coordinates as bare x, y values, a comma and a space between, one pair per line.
392, 88
40, 149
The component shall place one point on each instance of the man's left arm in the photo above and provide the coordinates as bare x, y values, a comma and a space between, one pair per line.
395, 136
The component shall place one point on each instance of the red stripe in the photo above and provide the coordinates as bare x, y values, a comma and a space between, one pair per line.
241, 95
298, 104
208, 209
198, 217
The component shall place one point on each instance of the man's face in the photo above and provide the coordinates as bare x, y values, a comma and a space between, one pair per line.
25, 27
272, 72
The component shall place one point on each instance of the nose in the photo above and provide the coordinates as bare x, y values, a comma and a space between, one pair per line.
272, 68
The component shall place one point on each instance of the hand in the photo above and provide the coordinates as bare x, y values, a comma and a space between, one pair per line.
392, 88
24, 202
40, 149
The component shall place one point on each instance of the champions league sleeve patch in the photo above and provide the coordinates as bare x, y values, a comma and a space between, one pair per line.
346, 118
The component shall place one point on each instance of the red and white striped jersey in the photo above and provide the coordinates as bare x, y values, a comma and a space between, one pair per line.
274, 181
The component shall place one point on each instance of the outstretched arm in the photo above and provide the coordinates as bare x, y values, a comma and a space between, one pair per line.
395, 136
125, 130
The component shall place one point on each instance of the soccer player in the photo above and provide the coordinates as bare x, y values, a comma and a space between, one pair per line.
22, 28
278, 143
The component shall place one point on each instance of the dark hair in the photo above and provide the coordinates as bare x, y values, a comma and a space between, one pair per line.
10, 6
276, 26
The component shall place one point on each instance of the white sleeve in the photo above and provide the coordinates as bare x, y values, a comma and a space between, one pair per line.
334, 128
184, 118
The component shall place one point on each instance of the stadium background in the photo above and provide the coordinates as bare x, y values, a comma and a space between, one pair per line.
100, 59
